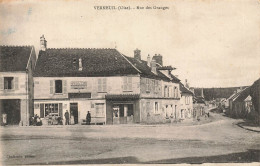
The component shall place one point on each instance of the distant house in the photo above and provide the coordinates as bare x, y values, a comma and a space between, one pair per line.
242, 105
16, 83
186, 108
114, 88
199, 104
229, 101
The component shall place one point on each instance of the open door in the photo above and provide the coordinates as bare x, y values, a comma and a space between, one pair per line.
74, 119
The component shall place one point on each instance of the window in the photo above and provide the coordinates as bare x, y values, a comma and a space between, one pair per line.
102, 85
175, 92
156, 107
51, 109
127, 83
165, 91
100, 110
8, 82
156, 86
147, 81
58, 86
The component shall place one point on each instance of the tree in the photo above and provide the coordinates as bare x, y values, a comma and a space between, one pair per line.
255, 94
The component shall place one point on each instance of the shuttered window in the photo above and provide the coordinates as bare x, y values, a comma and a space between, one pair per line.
127, 84
102, 85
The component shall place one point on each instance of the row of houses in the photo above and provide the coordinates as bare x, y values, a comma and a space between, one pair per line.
113, 87
239, 104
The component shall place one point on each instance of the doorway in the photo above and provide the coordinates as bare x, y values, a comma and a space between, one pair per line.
74, 118
12, 110
123, 113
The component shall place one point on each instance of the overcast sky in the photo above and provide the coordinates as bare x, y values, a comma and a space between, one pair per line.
211, 43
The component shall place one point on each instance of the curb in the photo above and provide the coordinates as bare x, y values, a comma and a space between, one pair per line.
239, 125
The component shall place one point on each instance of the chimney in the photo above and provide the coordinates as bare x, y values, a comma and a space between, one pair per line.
186, 83
153, 67
148, 60
158, 59
137, 54
80, 64
202, 94
43, 43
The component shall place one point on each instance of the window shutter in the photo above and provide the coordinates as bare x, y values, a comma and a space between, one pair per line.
51, 86
60, 110
130, 83
1, 83
99, 85
16, 83
104, 84
64, 86
41, 110
124, 83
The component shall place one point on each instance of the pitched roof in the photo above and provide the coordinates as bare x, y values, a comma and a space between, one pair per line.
146, 70
242, 95
183, 89
199, 100
95, 62
166, 68
14, 58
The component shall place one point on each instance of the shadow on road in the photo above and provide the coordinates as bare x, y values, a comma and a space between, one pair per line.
118, 160
251, 155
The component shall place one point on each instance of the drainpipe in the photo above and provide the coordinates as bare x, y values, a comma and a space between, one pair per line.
27, 93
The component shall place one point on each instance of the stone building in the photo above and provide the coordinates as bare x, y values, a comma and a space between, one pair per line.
115, 88
16, 84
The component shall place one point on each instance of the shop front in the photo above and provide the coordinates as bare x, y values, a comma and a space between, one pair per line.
122, 109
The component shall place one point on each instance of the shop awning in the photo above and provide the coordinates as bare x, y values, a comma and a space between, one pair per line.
122, 96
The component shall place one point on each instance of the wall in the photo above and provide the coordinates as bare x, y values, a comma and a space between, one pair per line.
114, 86
166, 110
186, 104
20, 89
152, 92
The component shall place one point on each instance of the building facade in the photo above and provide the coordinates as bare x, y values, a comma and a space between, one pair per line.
186, 110
16, 84
114, 88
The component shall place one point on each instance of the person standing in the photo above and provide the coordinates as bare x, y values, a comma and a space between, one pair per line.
67, 117
88, 118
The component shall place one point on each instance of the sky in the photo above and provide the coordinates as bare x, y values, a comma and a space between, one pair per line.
211, 43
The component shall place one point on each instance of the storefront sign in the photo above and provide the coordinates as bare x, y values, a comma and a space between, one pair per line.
78, 85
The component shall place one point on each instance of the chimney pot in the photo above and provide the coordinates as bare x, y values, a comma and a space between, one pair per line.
148, 60
137, 54
80, 64
43, 43
153, 66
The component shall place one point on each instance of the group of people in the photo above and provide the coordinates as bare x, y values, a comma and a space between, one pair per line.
67, 118
36, 121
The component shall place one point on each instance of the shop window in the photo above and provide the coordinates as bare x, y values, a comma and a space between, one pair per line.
51, 109
58, 86
100, 112
8, 82
127, 83
102, 85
